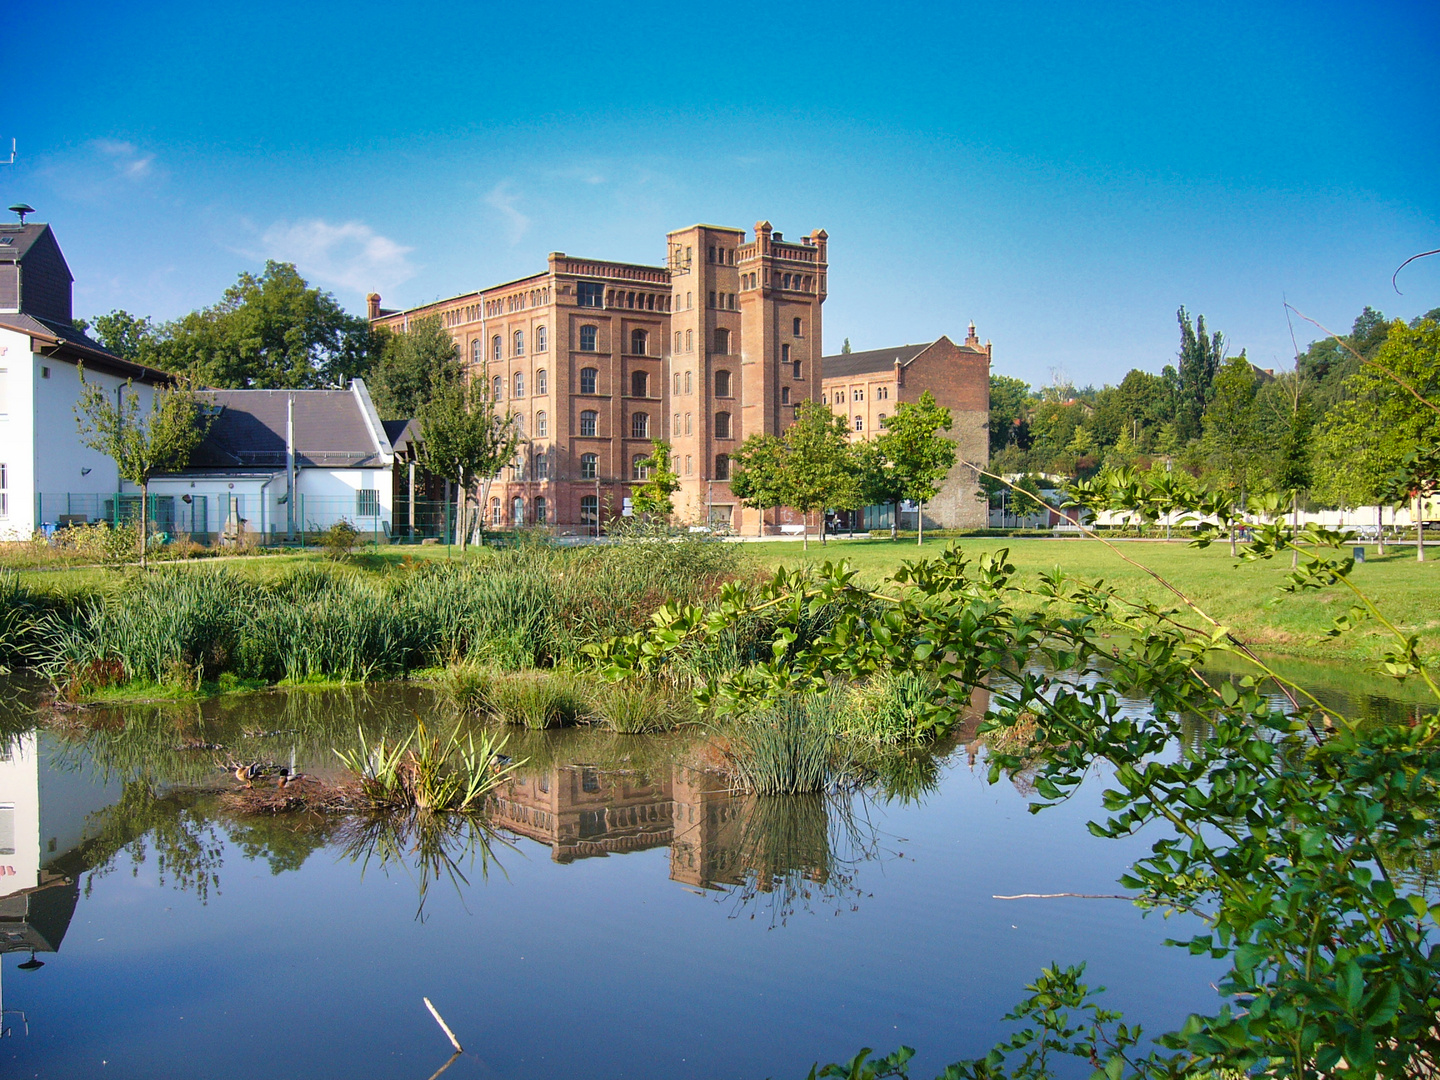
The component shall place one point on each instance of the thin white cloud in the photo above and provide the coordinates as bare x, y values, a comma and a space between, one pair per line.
351, 255
128, 159
502, 199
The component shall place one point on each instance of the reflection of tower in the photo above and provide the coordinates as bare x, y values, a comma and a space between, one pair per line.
579, 811
708, 823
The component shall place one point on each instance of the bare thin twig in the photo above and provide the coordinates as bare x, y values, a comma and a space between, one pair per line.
1371, 363
1393, 283
1058, 895
444, 1027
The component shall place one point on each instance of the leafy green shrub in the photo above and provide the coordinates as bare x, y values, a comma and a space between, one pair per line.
340, 539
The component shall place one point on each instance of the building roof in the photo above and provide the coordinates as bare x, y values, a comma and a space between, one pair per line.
71, 344
845, 365
16, 240
333, 428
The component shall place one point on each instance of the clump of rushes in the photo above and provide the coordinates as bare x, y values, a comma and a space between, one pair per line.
537, 700
791, 748
640, 708
425, 772
468, 686
887, 710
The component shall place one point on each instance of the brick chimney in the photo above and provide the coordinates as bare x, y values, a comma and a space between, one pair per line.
970, 338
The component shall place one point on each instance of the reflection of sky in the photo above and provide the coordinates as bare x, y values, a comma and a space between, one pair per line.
603, 966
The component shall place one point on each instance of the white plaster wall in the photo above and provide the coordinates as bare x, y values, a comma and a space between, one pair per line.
329, 495
17, 449
20, 797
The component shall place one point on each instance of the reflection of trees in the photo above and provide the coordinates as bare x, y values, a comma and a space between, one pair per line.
427, 847
797, 852
284, 841
187, 848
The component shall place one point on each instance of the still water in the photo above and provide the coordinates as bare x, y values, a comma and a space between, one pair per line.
624, 916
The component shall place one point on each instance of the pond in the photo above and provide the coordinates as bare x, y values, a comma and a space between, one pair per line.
622, 914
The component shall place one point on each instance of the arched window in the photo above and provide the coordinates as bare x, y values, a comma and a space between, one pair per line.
882, 392
495, 347
640, 425
477, 354
587, 380
784, 354
786, 284
689, 423
587, 422
589, 466
677, 384
722, 384
540, 509
676, 429
689, 465
858, 395
689, 339
497, 387
637, 342
639, 384
711, 257
542, 425
784, 395
722, 341
882, 419
517, 510
542, 465
520, 425
677, 340
722, 425
797, 327
519, 343
495, 512
638, 469
587, 339
722, 466
542, 382
859, 422
542, 339
795, 372
839, 397
689, 384
519, 384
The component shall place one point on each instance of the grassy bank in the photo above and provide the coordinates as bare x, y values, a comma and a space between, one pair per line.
1243, 596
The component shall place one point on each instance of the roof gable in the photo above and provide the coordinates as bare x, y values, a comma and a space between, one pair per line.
249, 431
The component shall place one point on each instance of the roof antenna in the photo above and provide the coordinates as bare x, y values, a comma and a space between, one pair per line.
22, 209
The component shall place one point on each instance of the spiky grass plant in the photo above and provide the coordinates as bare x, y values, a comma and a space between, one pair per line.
791, 748
427, 773
640, 708
538, 700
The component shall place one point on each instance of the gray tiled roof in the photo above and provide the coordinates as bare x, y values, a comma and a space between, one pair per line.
330, 430
844, 365
22, 239
76, 347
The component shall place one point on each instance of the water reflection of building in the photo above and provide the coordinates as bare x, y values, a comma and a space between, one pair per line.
581, 812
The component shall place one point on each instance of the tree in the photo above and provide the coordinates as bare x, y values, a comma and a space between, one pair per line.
269, 332
819, 467
463, 438
757, 474
1200, 358
1415, 480
412, 364
130, 336
142, 446
1230, 432
920, 455
880, 483
1009, 413
652, 498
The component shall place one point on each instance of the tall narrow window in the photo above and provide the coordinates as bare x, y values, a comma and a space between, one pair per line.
520, 425
542, 382
587, 339
638, 469
677, 340
497, 387
542, 465
712, 299
540, 509
587, 380
795, 370
542, 424
722, 384
689, 340
711, 257
722, 341
676, 429
519, 343
689, 423
495, 348
677, 384
639, 384
587, 422
477, 352
784, 354
495, 512
859, 422
589, 510
722, 466
858, 395
517, 511
589, 466
797, 328
638, 342
689, 465
722, 425
784, 395
640, 425
689, 382
519, 384
542, 339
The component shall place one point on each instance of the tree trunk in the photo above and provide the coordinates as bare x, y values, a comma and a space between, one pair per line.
145, 521
1380, 530
462, 500
1233, 551
1419, 530
895, 520
1294, 529
804, 530
920, 523
824, 538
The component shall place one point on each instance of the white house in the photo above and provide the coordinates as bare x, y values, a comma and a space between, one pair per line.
46, 473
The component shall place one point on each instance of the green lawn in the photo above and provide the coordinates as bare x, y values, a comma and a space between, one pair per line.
1233, 592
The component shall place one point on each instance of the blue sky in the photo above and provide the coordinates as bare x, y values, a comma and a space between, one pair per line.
1065, 176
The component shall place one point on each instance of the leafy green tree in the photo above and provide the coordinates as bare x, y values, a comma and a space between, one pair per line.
916, 449
819, 469
880, 482
465, 439
1326, 364
130, 336
269, 332
1009, 413
652, 498
1200, 359
757, 474
412, 365
1231, 432
142, 445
